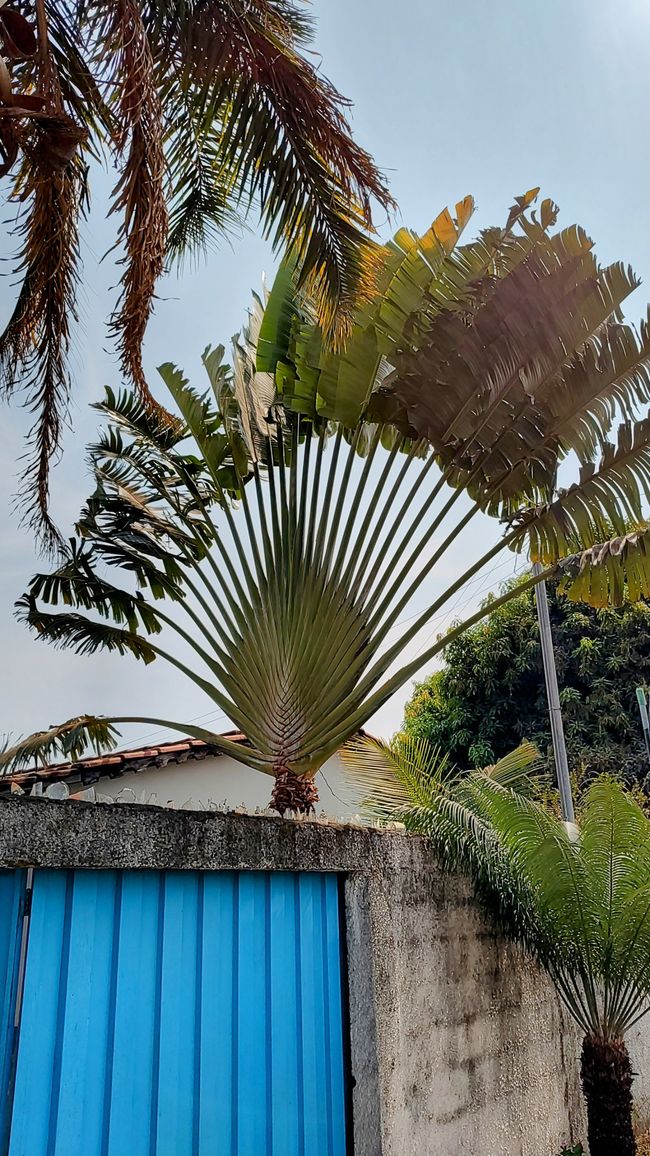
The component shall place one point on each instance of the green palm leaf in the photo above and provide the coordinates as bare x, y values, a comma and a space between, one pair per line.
69, 740
580, 902
409, 777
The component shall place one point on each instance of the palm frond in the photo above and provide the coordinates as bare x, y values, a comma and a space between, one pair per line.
68, 740
611, 572
203, 205
35, 344
606, 499
517, 769
405, 779
395, 776
286, 143
139, 196
206, 110
82, 634
580, 906
314, 379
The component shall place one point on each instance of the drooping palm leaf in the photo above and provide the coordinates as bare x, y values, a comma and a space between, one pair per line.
139, 197
74, 738
610, 572
36, 341
69, 740
206, 110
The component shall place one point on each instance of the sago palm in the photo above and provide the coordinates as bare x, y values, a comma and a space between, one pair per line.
293, 537
577, 897
204, 108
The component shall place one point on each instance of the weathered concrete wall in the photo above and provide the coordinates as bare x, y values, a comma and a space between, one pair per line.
458, 1042
474, 1053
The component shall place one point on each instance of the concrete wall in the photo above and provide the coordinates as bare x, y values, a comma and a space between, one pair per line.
458, 1042
474, 1053
199, 784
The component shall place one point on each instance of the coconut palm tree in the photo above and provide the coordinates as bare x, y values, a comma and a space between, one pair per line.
294, 541
204, 108
577, 897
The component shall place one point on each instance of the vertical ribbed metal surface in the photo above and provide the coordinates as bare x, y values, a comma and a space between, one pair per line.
12, 899
181, 1014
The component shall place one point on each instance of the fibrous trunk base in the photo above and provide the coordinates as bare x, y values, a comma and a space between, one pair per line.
606, 1074
294, 793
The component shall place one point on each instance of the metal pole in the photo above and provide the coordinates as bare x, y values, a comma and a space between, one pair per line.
553, 695
645, 722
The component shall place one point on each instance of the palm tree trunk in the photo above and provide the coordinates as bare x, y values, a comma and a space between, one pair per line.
606, 1074
294, 793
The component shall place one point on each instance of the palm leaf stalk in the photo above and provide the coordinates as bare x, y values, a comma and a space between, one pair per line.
206, 111
576, 897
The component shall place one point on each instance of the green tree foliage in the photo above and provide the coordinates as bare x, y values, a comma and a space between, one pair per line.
490, 694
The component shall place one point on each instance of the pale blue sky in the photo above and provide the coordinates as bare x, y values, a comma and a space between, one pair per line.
487, 97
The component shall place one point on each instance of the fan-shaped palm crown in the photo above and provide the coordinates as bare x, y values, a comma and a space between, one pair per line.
295, 514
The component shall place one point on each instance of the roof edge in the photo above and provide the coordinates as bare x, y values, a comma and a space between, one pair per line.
114, 764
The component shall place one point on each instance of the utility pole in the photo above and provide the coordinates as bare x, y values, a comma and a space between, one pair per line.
553, 695
645, 722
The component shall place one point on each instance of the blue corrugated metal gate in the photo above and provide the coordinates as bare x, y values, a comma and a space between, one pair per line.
181, 1014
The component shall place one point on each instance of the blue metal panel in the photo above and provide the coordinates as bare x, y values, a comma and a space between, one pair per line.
181, 1014
45, 977
217, 1088
133, 1088
12, 896
179, 1050
285, 1015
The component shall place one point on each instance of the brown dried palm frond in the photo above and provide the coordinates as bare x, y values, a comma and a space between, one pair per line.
139, 194
36, 340
37, 337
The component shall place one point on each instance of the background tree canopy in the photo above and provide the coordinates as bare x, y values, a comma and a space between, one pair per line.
490, 693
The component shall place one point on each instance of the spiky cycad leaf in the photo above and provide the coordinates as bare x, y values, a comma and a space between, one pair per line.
408, 776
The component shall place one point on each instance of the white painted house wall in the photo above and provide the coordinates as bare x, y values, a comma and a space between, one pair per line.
198, 784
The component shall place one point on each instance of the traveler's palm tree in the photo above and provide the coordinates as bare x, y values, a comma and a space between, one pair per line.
576, 896
293, 533
205, 108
